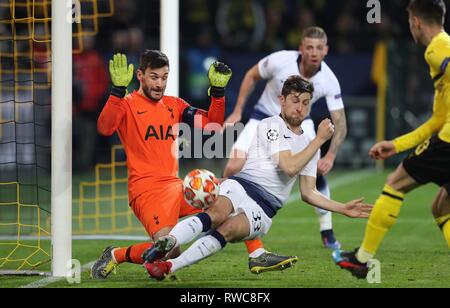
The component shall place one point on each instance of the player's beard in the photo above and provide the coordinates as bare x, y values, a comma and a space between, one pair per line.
293, 121
148, 92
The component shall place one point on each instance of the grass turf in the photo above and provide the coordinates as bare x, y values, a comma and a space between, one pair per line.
414, 253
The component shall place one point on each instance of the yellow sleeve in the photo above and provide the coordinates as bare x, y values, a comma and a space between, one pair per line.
438, 59
424, 132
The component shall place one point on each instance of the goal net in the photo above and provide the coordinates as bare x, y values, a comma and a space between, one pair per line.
100, 204
25, 125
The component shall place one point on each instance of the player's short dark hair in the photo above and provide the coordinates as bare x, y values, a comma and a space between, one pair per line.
431, 11
153, 59
295, 83
314, 32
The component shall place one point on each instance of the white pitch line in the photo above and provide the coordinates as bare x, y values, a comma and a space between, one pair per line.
79, 238
49, 280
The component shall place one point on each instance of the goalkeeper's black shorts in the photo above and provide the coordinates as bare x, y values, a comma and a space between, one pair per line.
430, 162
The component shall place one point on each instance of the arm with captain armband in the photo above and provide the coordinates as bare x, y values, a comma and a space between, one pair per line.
219, 75
113, 112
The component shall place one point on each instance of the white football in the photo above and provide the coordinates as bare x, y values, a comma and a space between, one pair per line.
200, 188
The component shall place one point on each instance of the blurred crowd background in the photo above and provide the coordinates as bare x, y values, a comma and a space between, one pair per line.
240, 32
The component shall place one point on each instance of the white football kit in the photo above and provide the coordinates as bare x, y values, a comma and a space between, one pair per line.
261, 188
276, 68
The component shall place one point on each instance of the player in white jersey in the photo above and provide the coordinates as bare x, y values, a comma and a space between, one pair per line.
247, 202
275, 69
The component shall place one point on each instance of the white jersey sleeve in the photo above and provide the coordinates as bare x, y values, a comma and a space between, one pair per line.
311, 168
269, 66
334, 95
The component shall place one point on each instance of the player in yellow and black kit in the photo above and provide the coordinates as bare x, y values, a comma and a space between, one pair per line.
430, 162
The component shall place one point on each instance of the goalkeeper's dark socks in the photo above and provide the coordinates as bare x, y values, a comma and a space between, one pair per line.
132, 254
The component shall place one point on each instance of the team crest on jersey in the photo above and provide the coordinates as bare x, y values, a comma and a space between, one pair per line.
273, 135
171, 112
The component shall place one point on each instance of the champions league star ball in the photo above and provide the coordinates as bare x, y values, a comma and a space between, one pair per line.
200, 188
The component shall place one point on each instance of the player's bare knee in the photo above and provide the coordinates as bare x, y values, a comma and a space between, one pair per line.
235, 228
164, 231
219, 211
225, 232
441, 204
401, 181
393, 180
228, 232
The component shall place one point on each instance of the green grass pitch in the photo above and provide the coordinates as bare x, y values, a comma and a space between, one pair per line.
414, 254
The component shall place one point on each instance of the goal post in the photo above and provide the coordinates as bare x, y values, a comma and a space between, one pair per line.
61, 175
170, 41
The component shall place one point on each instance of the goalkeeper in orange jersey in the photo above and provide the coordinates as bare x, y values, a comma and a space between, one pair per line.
430, 162
145, 122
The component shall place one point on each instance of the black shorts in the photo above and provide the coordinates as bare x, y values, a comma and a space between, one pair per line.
430, 162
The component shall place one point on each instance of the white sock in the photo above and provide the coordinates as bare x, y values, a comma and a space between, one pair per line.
187, 230
257, 253
201, 249
325, 217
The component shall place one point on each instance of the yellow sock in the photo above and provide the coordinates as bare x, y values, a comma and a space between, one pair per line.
383, 217
444, 223
446, 230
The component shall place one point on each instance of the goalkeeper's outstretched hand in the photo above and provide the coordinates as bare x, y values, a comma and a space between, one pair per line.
121, 74
219, 75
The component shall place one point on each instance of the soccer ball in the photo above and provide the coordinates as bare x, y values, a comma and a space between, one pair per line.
200, 188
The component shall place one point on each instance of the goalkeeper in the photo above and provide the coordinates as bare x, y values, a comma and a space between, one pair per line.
145, 121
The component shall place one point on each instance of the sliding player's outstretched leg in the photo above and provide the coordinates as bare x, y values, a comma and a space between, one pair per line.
251, 222
199, 250
189, 229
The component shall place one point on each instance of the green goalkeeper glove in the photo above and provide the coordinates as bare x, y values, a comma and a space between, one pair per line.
121, 74
219, 75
